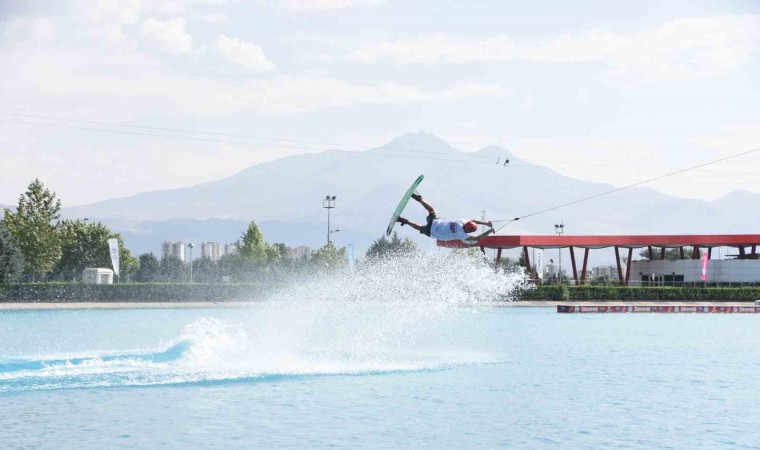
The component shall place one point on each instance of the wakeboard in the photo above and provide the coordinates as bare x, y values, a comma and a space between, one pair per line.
402, 204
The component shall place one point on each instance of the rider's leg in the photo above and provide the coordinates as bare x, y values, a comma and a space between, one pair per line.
425, 204
410, 223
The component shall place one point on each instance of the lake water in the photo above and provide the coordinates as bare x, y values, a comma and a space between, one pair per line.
333, 369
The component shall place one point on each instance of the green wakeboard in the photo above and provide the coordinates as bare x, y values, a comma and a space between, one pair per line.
402, 204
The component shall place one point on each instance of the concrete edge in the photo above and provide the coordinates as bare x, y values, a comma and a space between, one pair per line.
41, 306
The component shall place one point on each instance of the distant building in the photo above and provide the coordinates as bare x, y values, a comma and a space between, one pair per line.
173, 248
604, 271
211, 250
230, 249
298, 252
675, 273
552, 269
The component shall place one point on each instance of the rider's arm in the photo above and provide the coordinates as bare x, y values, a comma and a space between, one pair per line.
488, 224
480, 236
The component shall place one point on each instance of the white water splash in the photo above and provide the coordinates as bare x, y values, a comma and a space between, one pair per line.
413, 313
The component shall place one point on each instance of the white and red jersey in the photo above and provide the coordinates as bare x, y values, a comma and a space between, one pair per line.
445, 230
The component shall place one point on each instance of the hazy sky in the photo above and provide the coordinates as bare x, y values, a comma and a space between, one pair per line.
599, 90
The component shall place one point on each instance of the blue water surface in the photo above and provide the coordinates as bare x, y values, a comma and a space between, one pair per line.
376, 376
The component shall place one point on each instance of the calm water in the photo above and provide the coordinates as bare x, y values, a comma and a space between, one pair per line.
295, 374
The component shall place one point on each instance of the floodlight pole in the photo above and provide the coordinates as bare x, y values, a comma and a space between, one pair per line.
559, 229
328, 203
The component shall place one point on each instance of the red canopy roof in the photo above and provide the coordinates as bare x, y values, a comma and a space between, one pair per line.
626, 241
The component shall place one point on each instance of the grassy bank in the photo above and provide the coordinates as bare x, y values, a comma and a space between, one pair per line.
623, 293
132, 292
177, 292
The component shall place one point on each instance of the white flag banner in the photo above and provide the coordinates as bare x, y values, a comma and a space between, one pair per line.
113, 247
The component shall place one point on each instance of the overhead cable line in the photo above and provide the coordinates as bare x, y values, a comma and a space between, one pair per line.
207, 133
175, 130
371, 152
509, 221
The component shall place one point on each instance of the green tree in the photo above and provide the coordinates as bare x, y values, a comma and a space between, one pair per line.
85, 244
11, 264
172, 270
82, 245
506, 263
205, 270
671, 254
256, 259
229, 266
288, 265
239, 268
522, 260
252, 244
33, 227
282, 250
329, 258
275, 253
128, 263
150, 269
384, 247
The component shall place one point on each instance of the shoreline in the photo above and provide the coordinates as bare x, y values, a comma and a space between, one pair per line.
43, 306
555, 303
46, 306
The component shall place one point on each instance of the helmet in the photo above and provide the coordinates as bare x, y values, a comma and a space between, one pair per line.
470, 226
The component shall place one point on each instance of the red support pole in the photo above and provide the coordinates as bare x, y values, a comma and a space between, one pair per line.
742, 254
527, 262
498, 257
651, 255
628, 267
754, 249
583, 272
695, 252
575, 271
619, 267
683, 256
709, 253
662, 254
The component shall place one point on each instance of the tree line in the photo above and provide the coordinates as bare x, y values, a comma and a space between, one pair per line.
255, 260
37, 245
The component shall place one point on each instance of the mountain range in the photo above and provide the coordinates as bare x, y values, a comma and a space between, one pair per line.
285, 198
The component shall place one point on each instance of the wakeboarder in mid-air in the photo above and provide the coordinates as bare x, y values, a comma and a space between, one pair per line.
445, 230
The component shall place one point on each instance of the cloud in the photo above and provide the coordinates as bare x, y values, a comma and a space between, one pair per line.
244, 53
313, 5
104, 80
437, 48
299, 94
679, 50
212, 18
168, 35
36, 29
126, 12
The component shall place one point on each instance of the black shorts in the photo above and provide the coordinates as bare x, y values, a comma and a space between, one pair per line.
430, 218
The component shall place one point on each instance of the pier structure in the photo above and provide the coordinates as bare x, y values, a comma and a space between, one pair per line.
663, 308
746, 246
